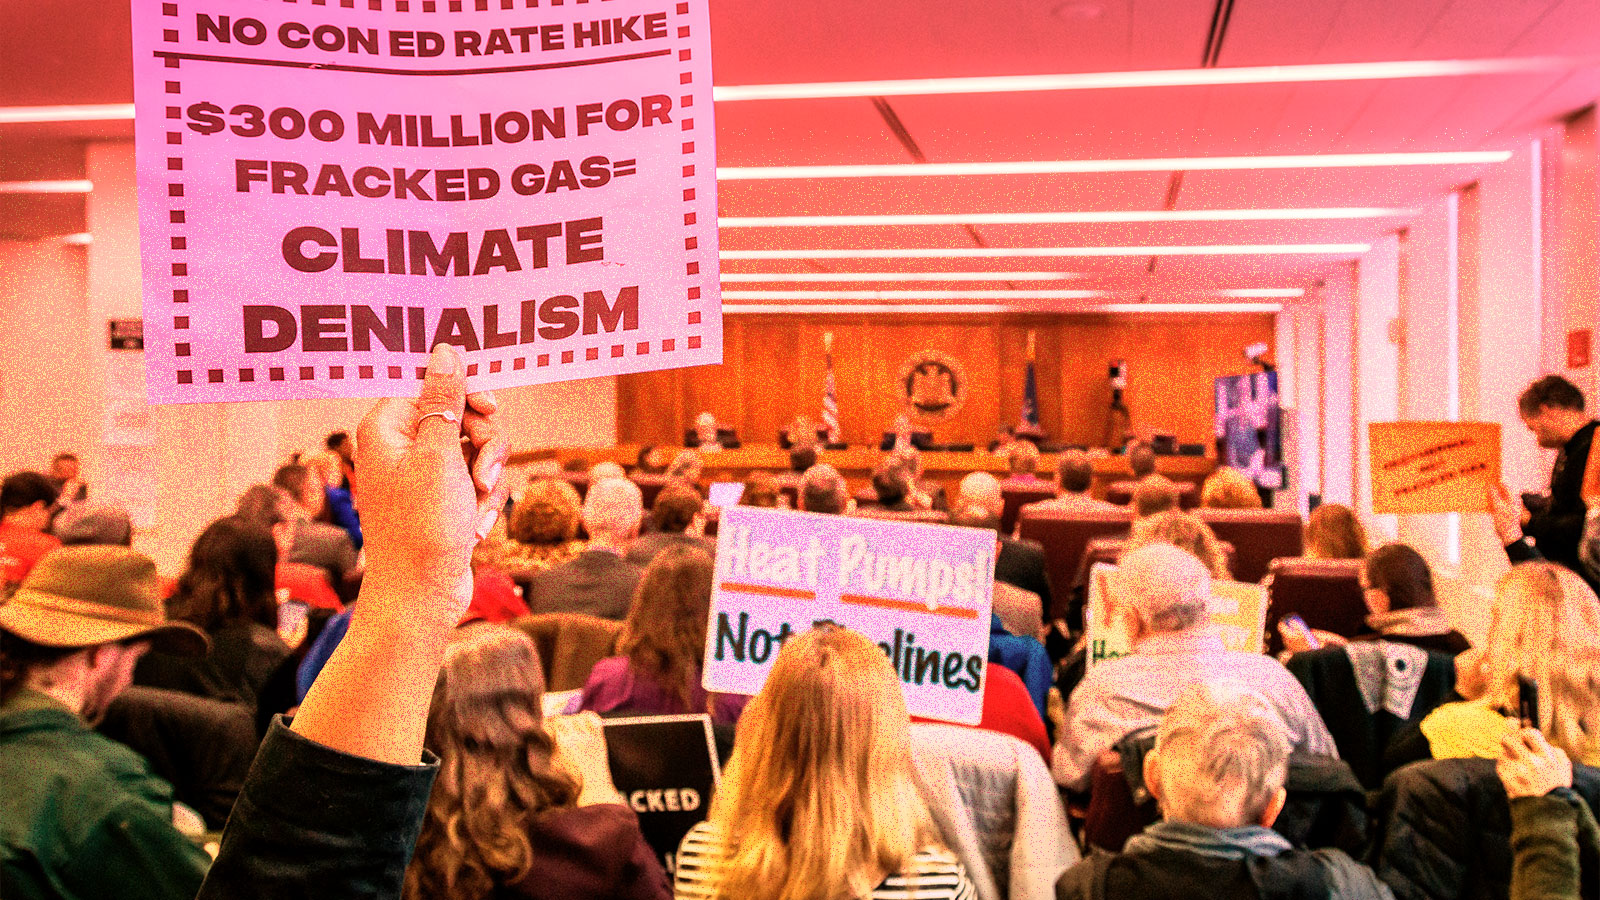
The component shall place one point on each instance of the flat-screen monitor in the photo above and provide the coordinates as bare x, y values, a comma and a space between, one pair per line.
1248, 427
725, 493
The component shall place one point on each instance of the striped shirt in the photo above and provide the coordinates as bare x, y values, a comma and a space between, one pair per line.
933, 874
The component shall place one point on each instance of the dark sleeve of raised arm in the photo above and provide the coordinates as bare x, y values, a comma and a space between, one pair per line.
312, 822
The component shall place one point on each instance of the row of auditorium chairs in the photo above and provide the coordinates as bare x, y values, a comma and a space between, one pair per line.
1120, 493
1261, 546
1258, 543
1258, 536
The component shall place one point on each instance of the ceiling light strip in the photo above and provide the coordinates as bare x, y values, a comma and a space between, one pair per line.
743, 277
1067, 218
1018, 252
39, 115
914, 295
1262, 292
734, 309
1083, 81
1098, 166
75, 186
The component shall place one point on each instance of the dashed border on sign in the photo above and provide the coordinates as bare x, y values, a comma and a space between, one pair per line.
429, 6
178, 241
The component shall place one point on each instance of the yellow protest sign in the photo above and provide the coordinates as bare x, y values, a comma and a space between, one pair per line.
1427, 467
1238, 612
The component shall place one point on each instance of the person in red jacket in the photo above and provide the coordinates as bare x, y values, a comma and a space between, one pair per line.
1009, 709
26, 499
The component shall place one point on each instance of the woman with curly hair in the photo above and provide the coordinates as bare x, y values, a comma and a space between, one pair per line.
662, 644
1185, 531
540, 533
818, 800
507, 816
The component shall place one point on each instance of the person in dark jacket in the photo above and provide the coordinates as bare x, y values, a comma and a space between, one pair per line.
1444, 831
1553, 410
228, 592
83, 816
598, 581
332, 807
508, 818
1375, 739
1551, 827
1218, 771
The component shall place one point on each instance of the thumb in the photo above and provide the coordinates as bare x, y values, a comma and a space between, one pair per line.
443, 399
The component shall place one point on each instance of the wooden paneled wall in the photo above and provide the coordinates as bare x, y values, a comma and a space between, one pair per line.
773, 370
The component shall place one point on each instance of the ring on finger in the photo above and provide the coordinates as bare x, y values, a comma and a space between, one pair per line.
445, 414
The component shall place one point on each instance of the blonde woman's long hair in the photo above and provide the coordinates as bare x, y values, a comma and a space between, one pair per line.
818, 802
1185, 531
497, 767
1546, 626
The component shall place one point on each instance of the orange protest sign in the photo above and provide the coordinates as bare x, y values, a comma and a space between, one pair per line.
1426, 467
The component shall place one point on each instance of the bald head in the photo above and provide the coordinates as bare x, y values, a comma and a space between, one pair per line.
603, 470
612, 510
822, 490
1168, 589
982, 489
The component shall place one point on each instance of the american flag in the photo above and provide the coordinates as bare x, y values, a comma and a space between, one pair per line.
830, 405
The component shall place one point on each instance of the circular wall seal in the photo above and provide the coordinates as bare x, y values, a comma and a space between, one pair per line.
933, 384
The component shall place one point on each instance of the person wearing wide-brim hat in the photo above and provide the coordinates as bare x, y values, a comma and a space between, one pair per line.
83, 816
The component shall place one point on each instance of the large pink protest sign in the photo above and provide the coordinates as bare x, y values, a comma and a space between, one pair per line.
328, 188
923, 593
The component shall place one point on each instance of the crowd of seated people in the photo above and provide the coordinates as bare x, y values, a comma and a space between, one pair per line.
657, 669
540, 532
423, 761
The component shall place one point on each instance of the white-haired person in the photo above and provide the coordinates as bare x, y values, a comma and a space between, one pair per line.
1217, 771
819, 800
599, 581
1163, 593
823, 490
